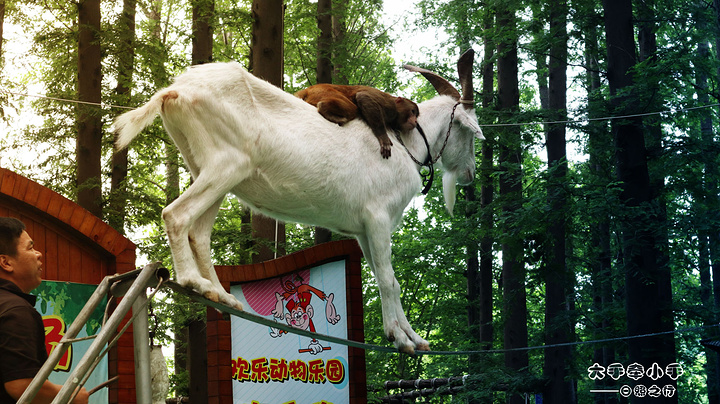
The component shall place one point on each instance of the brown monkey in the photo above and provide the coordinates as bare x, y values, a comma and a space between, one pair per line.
380, 110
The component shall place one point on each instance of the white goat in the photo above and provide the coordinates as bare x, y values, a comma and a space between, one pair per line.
239, 134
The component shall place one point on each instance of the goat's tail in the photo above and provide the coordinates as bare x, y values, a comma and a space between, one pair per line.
130, 124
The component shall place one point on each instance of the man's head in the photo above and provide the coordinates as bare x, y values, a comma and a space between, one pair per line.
19, 261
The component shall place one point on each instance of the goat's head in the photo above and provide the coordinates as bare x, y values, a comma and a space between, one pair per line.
458, 157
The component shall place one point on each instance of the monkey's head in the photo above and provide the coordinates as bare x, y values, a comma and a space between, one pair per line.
408, 113
300, 317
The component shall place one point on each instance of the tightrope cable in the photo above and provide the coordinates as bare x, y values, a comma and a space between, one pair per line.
270, 323
45, 97
606, 118
486, 125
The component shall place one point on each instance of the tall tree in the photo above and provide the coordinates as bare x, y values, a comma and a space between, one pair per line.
203, 14
89, 119
324, 72
647, 305
558, 279
202, 52
706, 194
3, 7
325, 41
599, 147
711, 183
126, 63
513, 266
266, 61
487, 192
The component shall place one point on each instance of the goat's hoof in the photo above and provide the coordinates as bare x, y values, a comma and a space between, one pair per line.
423, 346
231, 301
407, 349
212, 296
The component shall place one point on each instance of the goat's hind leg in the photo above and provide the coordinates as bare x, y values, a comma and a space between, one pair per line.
200, 201
199, 238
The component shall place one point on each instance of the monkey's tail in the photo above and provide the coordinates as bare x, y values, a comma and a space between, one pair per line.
130, 124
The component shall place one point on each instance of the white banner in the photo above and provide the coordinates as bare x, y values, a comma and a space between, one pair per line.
271, 366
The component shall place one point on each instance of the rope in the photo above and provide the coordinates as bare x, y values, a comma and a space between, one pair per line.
606, 118
270, 323
44, 97
355, 344
565, 344
487, 125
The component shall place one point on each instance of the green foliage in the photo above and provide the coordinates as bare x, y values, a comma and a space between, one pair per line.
430, 249
68, 305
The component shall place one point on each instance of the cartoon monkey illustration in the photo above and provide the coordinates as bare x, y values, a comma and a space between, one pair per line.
300, 312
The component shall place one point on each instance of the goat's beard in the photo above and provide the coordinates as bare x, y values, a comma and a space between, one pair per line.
449, 183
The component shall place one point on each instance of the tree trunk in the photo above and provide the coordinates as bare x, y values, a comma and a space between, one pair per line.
648, 304
197, 362
202, 31
324, 74
487, 191
479, 270
706, 218
89, 117
126, 62
713, 206
2, 24
324, 59
513, 268
266, 56
558, 281
600, 161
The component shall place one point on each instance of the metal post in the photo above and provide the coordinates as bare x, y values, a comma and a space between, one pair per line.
106, 333
141, 341
72, 331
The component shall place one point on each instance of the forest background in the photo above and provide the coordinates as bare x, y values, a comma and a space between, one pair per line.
568, 256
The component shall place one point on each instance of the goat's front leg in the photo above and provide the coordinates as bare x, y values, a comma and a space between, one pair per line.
376, 248
199, 238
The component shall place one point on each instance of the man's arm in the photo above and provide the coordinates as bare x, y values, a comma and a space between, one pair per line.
47, 392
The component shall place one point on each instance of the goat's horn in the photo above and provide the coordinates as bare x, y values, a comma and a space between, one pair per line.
442, 86
464, 66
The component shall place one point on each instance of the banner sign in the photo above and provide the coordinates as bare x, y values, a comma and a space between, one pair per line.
59, 303
271, 366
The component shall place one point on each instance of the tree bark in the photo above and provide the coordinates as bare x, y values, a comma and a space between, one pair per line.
2, 24
706, 217
202, 31
266, 56
647, 305
89, 117
513, 268
480, 253
600, 161
126, 62
558, 281
324, 59
324, 74
487, 193
713, 205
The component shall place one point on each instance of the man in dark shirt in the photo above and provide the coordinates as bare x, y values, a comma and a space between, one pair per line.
22, 335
